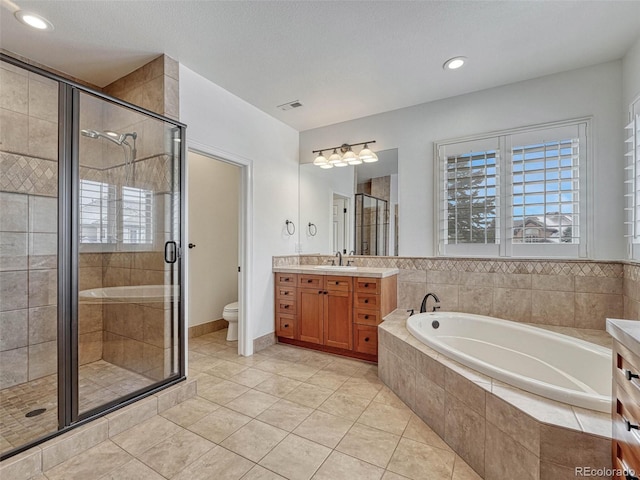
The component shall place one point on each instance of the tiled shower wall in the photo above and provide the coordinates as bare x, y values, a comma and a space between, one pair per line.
28, 225
566, 293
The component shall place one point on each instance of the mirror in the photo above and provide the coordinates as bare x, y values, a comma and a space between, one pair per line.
350, 209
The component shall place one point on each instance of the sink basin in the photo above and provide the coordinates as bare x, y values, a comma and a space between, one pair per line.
339, 268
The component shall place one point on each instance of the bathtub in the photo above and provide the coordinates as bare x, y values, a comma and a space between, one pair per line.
546, 363
130, 294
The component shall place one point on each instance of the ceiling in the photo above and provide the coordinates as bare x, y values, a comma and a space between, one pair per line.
341, 59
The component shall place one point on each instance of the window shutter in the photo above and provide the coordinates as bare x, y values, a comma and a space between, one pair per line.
94, 213
137, 216
632, 175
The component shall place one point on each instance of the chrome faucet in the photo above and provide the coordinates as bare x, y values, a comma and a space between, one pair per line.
339, 255
423, 307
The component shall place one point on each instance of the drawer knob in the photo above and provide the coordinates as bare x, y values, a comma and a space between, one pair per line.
286, 325
366, 317
366, 300
628, 476
286, 293
630, 375
309, 280
366, 285
286, 306
366, 339
630, 426
286, 279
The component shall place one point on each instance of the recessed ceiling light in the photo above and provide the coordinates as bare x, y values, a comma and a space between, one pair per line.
454, 63
33, 20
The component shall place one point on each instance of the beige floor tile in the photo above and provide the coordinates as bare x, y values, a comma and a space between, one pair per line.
369, 444
221, 393
385, 417
189, 411
93, 463
462, 471
261, 473
142, 437
278, 386
343, 467
386, 396
285, 415
134, 470
209, 348
324, 428
347, 406
345, 366
226, 369
254, 440
202, 362
309, 395
296, 458
363, 390
251, 377
419, 431
413, 459
205, 380
251, 361
252, 403
329, 380
298, 371
392, 476
176, 452
220, 424
274, 365
219, 464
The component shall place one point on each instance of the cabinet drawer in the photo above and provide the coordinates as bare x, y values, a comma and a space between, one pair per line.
341, 284
627, 459
285, 291
367, 300
311, 281
371, 285
286, 279
285, 325
284, 305
366, 317
365, 339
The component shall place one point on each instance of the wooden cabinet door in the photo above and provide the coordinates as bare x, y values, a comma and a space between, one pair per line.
338, 327
310, 307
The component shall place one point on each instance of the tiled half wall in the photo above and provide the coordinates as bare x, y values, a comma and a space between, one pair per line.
564, 293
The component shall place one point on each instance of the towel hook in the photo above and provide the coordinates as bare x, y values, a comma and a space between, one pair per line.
313, 230
293, 227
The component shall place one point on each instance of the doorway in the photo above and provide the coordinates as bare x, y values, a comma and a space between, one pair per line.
341, 223
215, 234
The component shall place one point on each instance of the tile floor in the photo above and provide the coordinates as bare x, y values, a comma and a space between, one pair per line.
283, 413
98, 382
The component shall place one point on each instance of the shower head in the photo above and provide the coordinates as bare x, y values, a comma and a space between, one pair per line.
117, 138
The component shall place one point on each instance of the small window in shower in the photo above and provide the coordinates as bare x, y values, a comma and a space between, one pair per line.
137, 216
97, 212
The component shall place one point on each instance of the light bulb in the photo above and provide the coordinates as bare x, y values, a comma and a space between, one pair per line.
33, 20
454, 63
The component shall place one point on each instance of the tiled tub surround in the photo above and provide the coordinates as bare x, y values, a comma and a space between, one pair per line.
567, 293
500, 431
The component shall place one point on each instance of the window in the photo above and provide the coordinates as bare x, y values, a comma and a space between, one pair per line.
105, 219
632, 180
515, 193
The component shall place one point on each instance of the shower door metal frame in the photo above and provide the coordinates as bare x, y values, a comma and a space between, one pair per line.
68, 259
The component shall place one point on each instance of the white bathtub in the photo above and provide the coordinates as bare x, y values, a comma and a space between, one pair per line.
130, 294
546, 363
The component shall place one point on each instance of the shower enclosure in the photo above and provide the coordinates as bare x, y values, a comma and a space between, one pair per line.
371, 225
90, 264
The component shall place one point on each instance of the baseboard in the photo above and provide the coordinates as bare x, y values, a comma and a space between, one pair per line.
264, 341
204, 328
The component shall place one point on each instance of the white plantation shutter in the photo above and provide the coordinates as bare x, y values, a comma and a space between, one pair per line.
632, 180
96, 212
541, 190
137, 216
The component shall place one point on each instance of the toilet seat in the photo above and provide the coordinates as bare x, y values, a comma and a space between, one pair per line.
231, 308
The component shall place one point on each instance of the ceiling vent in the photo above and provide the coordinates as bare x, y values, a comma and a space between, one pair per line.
290, 105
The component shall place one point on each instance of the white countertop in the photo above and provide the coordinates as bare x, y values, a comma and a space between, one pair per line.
368, 272
627, 332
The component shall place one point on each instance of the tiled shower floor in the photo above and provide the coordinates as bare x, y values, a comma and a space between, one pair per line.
99, 382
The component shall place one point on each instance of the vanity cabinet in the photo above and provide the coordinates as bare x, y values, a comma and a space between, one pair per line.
334, 313
626, 412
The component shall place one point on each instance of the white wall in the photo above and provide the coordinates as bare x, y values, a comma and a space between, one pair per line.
220, 122
213, 189
413, 130
630, 76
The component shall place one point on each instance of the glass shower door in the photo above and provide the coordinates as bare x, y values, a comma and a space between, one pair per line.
127, 229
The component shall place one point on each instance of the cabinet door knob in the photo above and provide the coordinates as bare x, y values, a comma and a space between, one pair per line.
286, 325
287, 306
630, 426
366, 285
309, 280
630, 375
366, 339
366, 300
366, 317
326, 293
286, 293
628, 476
319, 292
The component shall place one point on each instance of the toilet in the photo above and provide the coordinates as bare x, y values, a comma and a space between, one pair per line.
230, 314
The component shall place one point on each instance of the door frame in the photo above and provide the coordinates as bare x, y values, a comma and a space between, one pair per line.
245, 247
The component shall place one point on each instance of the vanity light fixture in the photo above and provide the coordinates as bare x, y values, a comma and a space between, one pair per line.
346, 156
454, 63
34, 20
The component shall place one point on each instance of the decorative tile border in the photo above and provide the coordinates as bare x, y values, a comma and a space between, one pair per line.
24, 174
632, 271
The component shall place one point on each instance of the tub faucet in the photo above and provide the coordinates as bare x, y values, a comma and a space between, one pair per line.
339, 255
423, 307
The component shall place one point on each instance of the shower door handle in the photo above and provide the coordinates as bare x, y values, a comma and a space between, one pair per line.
170, 252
